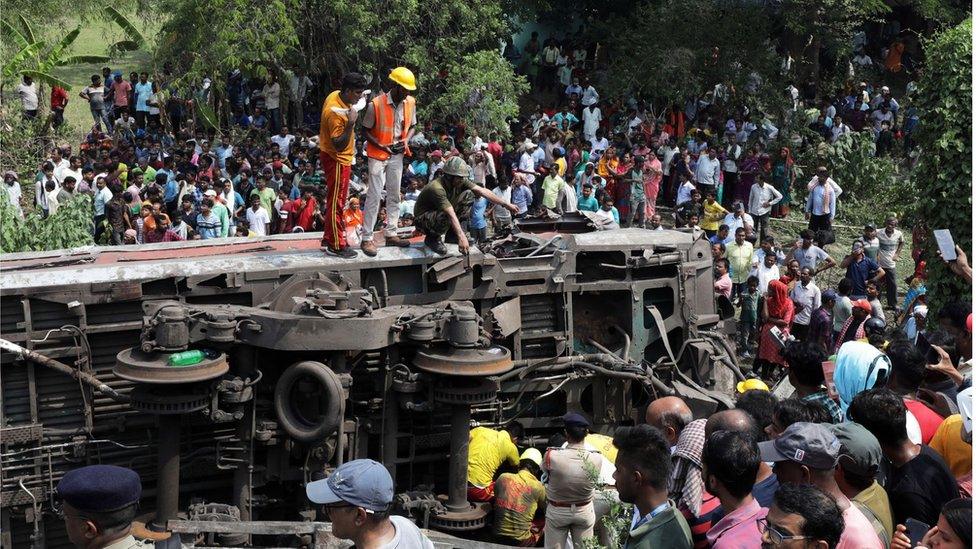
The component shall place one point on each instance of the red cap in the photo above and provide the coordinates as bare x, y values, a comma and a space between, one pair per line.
863, 304
969, 323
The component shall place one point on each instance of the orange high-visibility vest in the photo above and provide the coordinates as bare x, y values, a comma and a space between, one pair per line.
383, 130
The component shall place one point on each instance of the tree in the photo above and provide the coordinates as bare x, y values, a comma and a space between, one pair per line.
827, 24
943, 175
656, 54
330, 37
36, 59
474, 94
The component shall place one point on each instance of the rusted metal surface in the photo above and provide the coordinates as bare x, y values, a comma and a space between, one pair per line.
595, 322
465, 362
135, 365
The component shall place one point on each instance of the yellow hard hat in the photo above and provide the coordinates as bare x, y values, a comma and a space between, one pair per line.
532, 455
404, 77
751, 384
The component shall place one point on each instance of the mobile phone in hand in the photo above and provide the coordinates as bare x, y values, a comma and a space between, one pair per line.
927, 349
916, 530
946, 245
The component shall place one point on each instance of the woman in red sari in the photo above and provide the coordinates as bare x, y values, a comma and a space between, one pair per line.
777, 311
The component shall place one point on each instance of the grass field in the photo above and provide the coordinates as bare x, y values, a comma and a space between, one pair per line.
95, 39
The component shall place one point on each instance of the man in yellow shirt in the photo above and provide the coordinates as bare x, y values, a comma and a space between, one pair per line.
487, 451
337, 145
519, 497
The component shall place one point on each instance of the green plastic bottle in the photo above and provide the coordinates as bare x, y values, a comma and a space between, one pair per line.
191, 357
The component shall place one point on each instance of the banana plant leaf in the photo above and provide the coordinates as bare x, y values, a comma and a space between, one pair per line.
17, 62
51, 60
9, 31
46, 78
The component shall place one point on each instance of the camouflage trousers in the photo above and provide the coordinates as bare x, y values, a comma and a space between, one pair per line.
438, 223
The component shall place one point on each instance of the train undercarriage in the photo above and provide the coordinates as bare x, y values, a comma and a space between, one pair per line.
307, 361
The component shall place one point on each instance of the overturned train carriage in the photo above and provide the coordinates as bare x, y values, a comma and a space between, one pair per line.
306, 361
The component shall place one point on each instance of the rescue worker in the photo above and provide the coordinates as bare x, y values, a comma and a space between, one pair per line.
337, 146
519, 498
446, 201
487, 451
98, 504
389, 121
572, 472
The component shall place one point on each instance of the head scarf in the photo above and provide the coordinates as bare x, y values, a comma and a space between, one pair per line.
858, 368
686, 485
778, 302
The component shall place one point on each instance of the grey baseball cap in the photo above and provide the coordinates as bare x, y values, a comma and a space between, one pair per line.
810, 444
860, 451
361, 483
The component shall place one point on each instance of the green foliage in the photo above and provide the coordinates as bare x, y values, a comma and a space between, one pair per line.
36, 59
437, 41
69, 227
655, 52
617, 520
873, 186
135, 38
481, 89
943, 175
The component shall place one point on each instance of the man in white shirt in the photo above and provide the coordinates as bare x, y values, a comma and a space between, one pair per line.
272, 101
762, 197
767, 271
526, 164
685, 192
597, 145
284, 140
257, 217
737, 219
502, 217
592, 116
730, 166
482, 165
27, 91
890, 242
12, 190
357, 497
707, 170
806, 299
298, 85
590, 95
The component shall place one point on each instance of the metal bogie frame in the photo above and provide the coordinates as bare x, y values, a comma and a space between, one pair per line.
313, 361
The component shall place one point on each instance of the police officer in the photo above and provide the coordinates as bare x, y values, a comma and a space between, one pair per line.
98, 504
573, 471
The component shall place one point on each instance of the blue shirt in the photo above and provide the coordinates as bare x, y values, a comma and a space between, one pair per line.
587, 204
860, 272
102, 197
637, 520
521, 198
559, 118
478, 213
815, 202
223, 153
209, 226
142, 93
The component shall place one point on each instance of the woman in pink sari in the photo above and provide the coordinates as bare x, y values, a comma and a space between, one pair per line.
652, 182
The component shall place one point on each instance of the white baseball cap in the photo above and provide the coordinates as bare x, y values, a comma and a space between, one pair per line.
965, 402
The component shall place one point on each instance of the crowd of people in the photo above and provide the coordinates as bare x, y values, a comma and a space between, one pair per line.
872, 448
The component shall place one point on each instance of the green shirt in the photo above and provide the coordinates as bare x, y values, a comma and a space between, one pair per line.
224, 216
550, 191
268, 197
439, 195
